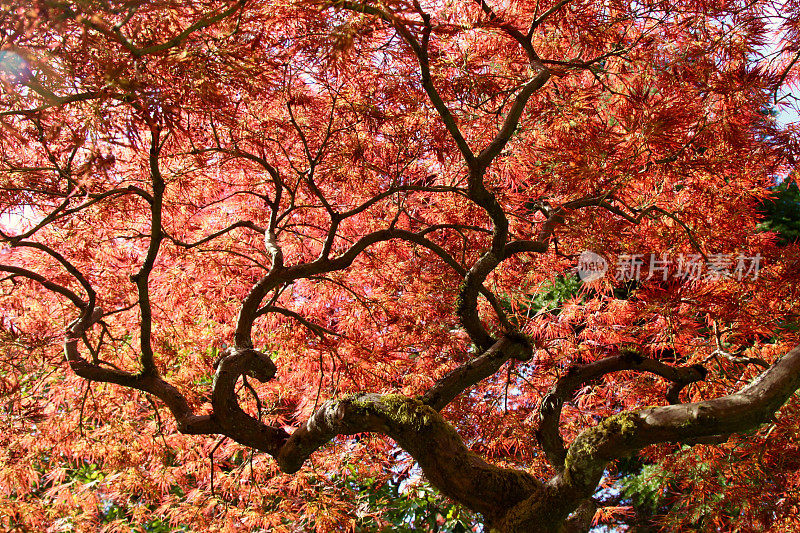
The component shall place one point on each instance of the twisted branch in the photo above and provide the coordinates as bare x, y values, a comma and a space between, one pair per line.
548, 433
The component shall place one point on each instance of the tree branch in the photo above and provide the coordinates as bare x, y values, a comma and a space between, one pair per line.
425, 435
468, 374
187, 421
494, 148
18, 271
116, 34
548, 433
279, 274
538, 20
421, 52
316, 329
69, 267
240, 224
622, 434
228, 415
142, 277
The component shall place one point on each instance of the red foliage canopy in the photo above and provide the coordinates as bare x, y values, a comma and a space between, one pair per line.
292, 221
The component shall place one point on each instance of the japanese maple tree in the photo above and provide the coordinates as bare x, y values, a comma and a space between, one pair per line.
278, 233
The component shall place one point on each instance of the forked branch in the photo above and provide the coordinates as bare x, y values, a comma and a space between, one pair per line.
623, 434
577, 376
481, 367
422, 432
187, 421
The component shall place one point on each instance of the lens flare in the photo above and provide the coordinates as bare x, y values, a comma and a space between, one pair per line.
13, 67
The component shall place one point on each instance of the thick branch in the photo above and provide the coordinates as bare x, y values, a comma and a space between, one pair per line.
228, 415
187, 421
467, 302
517, 247
142, 277
622, 434
46, 283
423, 433
464, 376
548, 433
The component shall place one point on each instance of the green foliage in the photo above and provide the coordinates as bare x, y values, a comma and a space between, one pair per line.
553, 294
782, 212
87, 474
692, 492
647, 488
159, 526
548, 297
390, 507
90, 476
